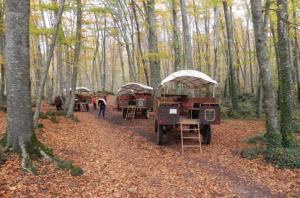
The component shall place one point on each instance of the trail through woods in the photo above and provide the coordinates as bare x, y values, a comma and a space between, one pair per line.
121, 159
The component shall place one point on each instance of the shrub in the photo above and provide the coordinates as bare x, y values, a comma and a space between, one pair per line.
252, 153
284, 157
257, 139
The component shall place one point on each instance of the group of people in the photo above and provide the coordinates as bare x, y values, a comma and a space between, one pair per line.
101, 102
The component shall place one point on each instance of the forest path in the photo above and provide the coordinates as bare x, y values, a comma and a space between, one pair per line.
219, 162
121, 159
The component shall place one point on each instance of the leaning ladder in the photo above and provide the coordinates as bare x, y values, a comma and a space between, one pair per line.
185, 128
130, 114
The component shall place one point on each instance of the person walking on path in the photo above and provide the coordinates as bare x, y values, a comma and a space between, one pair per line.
94, 101
102, 105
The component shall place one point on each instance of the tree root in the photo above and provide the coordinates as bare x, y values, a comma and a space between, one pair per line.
37, 150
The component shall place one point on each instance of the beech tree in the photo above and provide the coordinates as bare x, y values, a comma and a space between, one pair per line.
20, 136
285, 78
152, 42
70, 110
273, 132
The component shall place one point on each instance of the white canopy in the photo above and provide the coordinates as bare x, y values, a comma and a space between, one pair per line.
191, 78
80, 89
135, 87
83, 89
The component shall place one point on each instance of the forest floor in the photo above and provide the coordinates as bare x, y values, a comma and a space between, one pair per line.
120, 159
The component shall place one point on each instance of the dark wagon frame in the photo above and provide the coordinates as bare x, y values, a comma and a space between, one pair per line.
135, 95
82, 99
170, 109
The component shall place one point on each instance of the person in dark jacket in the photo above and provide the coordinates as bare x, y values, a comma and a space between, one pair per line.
102, 106
58, 103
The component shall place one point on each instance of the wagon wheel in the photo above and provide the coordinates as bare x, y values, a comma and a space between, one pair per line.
124, 113
147, 114
160, 135
206, 134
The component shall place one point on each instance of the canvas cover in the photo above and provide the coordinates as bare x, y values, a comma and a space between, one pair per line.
190, 78
135, 87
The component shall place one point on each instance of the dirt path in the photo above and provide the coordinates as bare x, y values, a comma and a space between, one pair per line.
121, 159
238, 185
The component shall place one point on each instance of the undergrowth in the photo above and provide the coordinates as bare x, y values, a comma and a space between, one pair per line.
247, 108
279, 156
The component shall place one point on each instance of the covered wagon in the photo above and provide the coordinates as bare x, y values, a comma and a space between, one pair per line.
174, 111
133, 98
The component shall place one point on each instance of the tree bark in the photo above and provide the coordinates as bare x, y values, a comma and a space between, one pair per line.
216, 74
139, 42
103, 77
188, 53
232, 78
47, 64
296, 49
286, 92
273, 133
176, 45
152, 42
70, 111
2, 48
19, 112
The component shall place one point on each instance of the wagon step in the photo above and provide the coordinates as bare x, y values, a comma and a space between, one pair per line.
185, 127
130, 114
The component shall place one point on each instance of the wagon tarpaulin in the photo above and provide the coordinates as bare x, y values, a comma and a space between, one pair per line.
190, 78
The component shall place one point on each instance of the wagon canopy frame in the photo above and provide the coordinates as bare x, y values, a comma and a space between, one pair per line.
135, 88
80, 89
190, 78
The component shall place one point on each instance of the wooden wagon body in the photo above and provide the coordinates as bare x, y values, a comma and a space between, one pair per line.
137, 96
171, 110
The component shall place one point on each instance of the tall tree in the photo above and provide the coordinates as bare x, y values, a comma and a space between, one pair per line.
176, 45
188, 52
70, 110
152, 42
139, 42
47, 64
273, 132
216, 74
232, 78
286, 79
296, 48
2, 46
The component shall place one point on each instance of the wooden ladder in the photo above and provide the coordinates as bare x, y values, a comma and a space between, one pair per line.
130, 114
185, 129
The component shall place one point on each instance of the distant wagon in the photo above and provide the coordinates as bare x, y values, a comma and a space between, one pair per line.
82, 99
135, 98
175, 111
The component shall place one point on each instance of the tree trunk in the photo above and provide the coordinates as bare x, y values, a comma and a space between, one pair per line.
286, 92
70, 111
2, 86
296, 49
19, 111
207, 41
176, 45
152, 42
273, 133
2, 48
95, 55
120, 52
47, 64
103, 78
139, 43
232, 78
216, 74
188, 53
